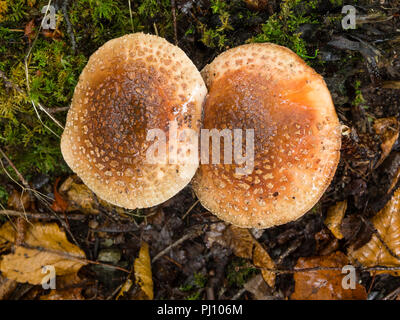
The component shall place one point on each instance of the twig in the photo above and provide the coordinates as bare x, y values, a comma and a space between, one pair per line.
190, 209
41, 216
193, 234
57, 109
361, 269
130, 15
69, 26
20, 177
173, 9
238, 294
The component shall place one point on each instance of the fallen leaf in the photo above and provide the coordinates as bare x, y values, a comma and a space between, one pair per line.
142, 267
257, 286
395, 180
387, 224
79, 197
125, 288
44, 244
29, 30
262, 260
7, 286
334, 218
59, 204
19, 201
388, 129
245, 246
391, 85
67, 294
242, 242
324, 284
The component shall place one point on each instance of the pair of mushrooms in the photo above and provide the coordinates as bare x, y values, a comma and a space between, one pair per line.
140, 82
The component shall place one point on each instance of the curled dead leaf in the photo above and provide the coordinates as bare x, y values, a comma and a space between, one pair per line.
324, 284
19, 201
334, 218
142, 267
387, 225
388, 129
44, 244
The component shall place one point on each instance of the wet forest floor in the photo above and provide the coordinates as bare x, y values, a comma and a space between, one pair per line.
193, 254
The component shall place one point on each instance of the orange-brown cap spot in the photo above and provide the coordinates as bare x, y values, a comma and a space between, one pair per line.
297, 136
126, 89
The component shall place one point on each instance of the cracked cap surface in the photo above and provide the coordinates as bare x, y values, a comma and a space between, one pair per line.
297, 137
130, 85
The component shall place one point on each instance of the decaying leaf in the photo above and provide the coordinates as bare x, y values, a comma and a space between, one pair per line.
7, 286
142, 266
391, 85
242, 242
125, 288
257, 286
387, 224
19, 201
59, 204
388, 129
44, 244
245, 246
334, 218
79, 197
29, 30
324, 284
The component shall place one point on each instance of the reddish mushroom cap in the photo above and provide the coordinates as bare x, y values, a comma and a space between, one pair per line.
130, 85
270, 89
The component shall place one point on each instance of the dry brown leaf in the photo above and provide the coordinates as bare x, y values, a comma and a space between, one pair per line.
388, 129
29, 30
7, 286
334, 218
44, 244
324, 284
79, 197
391, 85
143, 276
19, 201
395, 180
245, 246
67, 294
242, 242
387, 224
59, 204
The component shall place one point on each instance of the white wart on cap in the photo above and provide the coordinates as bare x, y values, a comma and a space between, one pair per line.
270, 89
130, 85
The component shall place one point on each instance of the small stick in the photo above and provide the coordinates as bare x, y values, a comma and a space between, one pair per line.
69, 26
193, 234
40, 216
173, 8
190, 209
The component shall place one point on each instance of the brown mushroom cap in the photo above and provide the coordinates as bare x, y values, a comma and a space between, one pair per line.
297, 140
130, 85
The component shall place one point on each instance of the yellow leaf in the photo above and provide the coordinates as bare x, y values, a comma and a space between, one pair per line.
44, 244
245, 246
262, 259
387, 224
125, 288
334, 218
143, 274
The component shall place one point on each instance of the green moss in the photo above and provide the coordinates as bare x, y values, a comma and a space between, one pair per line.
194, 286
283, 28
238, 272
